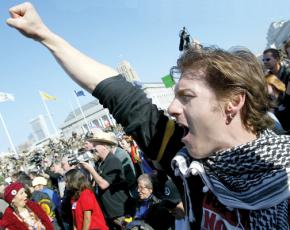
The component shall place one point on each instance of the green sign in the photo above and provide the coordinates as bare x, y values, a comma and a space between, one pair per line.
168, 81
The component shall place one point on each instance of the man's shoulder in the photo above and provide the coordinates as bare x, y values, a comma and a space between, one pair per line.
112, 161
111, 157
171, 191
121, 154
285, 67
47, 190
39, 195
120, 150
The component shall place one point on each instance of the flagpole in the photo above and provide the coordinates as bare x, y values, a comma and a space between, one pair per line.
49, 115
8, 135
78, 102
72, 109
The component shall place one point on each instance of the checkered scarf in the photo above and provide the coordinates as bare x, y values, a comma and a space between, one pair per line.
254, 176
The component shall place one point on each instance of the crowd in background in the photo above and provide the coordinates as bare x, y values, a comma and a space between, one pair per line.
63, 170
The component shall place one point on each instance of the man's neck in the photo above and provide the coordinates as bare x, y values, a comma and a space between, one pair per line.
275, 70
104, 156
113, 150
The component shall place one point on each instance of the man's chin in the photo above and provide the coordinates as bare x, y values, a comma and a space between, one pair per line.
191, 152
197, 155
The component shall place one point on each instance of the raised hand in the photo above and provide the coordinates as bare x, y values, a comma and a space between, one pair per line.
87, 166
85, 71
25, 18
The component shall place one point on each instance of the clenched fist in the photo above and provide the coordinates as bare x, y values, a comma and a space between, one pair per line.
25, 18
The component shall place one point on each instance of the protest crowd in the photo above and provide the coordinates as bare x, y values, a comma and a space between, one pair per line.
222, 166
46, 175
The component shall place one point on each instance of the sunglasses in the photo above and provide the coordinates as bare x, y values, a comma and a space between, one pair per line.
266, 59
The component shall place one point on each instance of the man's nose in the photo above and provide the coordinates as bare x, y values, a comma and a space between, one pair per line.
174, 108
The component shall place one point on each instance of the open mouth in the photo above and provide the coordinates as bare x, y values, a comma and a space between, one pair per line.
185, 129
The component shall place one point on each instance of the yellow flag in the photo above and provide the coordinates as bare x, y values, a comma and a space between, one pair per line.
46, 96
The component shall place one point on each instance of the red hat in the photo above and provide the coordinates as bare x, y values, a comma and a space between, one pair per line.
11, 191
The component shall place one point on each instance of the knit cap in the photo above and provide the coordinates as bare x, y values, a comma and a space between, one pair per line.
11, 191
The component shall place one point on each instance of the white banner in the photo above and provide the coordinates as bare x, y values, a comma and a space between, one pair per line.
6, 97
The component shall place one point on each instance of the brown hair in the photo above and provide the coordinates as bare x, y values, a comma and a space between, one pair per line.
230, 73
77, 182
274, 52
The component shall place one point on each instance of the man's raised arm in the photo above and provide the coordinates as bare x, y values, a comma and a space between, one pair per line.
83, 70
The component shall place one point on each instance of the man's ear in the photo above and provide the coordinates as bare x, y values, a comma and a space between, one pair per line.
234, 105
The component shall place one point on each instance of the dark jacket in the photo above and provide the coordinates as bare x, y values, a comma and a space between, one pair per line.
156, 134
143, 206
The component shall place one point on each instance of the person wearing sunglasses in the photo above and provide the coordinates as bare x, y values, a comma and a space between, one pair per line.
273, 63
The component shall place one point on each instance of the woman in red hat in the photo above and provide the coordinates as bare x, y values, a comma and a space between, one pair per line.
23, 214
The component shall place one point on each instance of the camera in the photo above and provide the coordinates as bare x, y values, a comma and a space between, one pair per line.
85, 156
36, 159
76, 158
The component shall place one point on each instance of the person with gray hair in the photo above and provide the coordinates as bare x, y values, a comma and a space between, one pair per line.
144, 184
145, 201
151, 210
111, 140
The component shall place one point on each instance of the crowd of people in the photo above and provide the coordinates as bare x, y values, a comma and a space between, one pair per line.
224, 146
89, 182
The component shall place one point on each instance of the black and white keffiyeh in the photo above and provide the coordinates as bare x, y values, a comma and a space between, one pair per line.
254, 176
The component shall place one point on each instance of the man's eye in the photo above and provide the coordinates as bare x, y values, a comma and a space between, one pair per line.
186, 97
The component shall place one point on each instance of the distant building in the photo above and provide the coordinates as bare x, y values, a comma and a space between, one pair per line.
99, 118
96, 116
278, 33
127, 71
161, 96
39, 128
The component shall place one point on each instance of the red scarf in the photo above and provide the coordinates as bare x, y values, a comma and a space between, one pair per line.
134, 154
